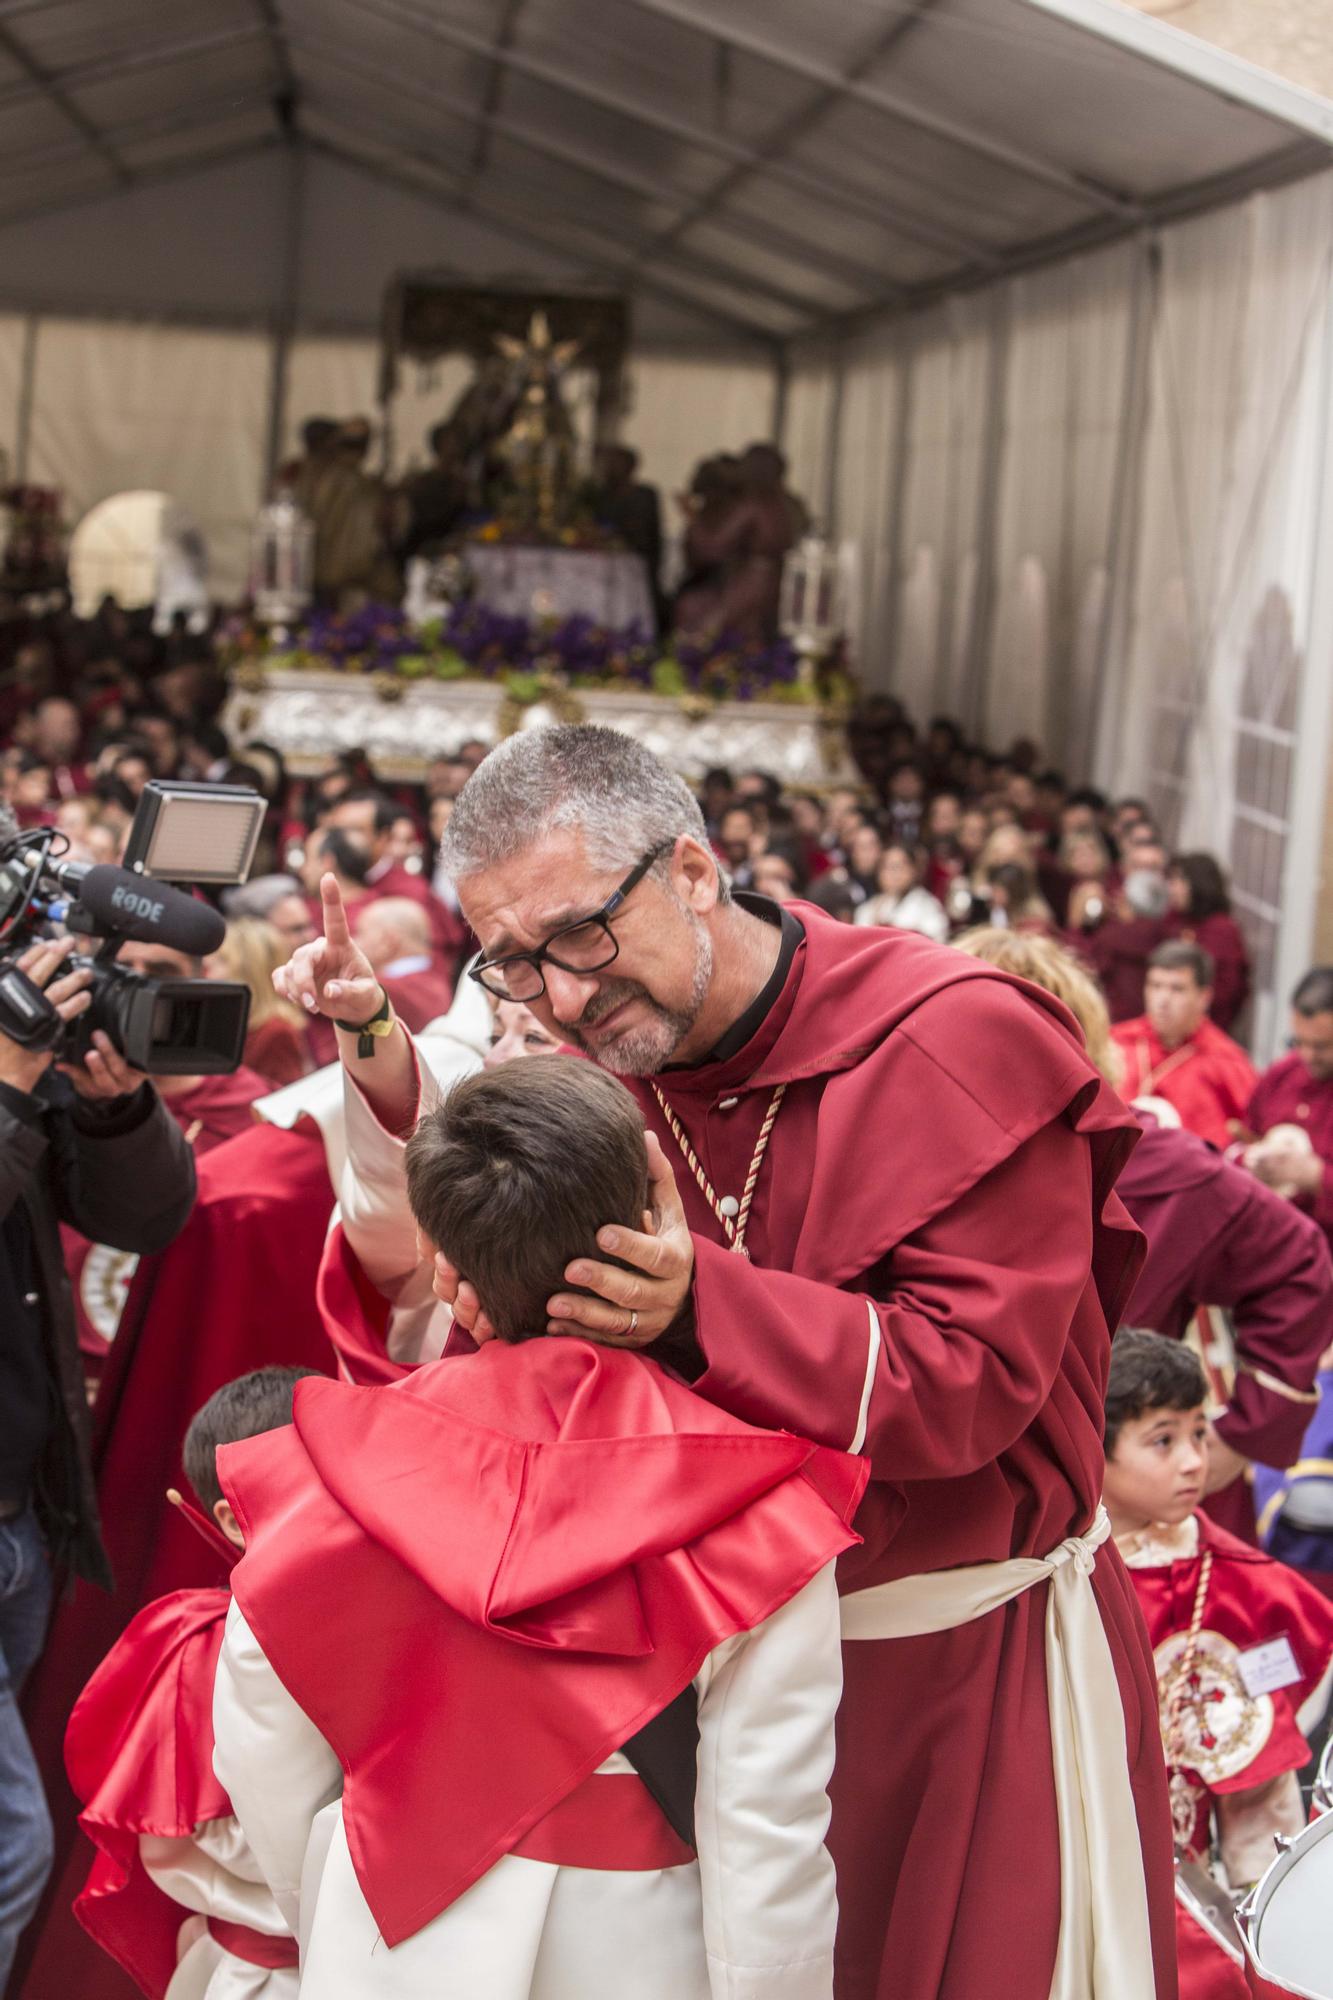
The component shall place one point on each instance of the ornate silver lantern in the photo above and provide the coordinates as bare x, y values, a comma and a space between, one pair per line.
815, 604
282, 563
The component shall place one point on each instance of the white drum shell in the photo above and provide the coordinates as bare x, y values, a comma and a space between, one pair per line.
1287, 1919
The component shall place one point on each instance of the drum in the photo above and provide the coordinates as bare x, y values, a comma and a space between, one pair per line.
1284, 1921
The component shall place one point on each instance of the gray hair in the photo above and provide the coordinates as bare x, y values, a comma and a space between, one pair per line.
260, 897
596, 781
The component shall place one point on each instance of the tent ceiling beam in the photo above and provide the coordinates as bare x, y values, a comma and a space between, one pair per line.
48, 86
505, 32
193, 117
751, 229
624, 249
135, 63
852, 199
174, 170
275, 34
795, 127
686, 14
427, 189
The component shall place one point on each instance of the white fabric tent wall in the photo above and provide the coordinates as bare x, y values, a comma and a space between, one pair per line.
1090, 505
183, 410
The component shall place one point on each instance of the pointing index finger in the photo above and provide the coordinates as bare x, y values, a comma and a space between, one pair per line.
335, 916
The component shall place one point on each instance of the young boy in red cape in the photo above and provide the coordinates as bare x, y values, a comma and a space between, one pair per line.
530, 1682
1243, 1645
174, 1895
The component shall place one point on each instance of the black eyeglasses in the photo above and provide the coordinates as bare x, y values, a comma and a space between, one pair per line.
586, 946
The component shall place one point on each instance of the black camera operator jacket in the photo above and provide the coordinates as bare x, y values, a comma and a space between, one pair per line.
122, 1173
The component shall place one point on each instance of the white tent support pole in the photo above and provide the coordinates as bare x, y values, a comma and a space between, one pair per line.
781, 385
886, 641
1301, 871
1111, 670
833, 455
896, 104
289, 302
27, 386
988, 507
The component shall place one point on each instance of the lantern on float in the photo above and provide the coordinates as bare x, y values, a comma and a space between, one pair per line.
814, 608
282, 564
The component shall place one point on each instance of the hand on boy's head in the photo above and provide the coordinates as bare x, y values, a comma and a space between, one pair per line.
461, 1299
633, 1307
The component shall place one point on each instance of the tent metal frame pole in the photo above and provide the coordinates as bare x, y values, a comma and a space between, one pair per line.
1304, 847
284, 330
823, 187
895, 104
1111, 660
888, 647
833, 453
747, 331
136, 63
546, 146
27, 390
988, 509
48, 84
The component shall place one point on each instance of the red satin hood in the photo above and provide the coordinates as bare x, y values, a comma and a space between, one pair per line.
552, 1535
562, 1466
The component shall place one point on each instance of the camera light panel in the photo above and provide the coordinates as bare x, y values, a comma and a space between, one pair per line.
195, 833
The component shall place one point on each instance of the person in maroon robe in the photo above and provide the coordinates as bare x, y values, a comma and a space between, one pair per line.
742, 549
370, 819
1295, 1096
918, 1161
1215, 1237
1200, 913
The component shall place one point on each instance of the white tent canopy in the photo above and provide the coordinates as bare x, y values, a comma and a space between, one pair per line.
1036, 291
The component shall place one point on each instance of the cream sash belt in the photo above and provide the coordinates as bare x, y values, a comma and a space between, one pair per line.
1105, 1950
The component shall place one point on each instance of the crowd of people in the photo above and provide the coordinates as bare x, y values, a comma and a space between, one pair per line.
911, 1143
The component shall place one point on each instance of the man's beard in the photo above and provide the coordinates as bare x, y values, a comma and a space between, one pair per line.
650, 1044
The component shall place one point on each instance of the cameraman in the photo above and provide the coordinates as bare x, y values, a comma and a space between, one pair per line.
92, 1145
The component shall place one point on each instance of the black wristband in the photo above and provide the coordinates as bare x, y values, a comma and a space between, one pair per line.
368, 1032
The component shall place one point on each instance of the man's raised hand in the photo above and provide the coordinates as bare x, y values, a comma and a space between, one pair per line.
332, 976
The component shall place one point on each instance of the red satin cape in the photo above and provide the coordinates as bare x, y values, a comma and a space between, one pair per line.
139, 1752
480, 1582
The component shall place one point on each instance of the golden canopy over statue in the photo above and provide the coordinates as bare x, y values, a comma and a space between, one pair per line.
537, 448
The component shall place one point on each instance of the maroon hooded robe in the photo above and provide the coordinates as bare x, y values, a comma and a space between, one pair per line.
946, 1152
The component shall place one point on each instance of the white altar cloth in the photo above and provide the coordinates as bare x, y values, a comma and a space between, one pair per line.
312, 717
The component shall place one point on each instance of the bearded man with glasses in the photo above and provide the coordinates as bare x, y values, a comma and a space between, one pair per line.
884, 1218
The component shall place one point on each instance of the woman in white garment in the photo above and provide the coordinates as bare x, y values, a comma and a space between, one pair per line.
902, 902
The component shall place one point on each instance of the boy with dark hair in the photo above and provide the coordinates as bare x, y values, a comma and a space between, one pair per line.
174, 1895
1243, 1646
508, 1631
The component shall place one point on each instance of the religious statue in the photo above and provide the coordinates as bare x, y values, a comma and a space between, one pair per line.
537, 449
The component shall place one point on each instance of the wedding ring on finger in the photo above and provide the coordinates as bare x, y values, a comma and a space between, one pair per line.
633, 1323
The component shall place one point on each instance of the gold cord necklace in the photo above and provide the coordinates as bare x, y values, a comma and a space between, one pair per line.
1183, 1794
733, 1230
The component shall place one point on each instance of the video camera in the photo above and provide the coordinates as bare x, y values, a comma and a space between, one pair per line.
182, 832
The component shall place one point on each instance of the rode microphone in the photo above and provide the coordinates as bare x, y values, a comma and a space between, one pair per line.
107, 901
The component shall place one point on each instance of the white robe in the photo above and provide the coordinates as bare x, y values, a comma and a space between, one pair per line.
216, 1875
752, 1919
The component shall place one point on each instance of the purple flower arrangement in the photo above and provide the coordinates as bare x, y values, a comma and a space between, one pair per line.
476, 643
